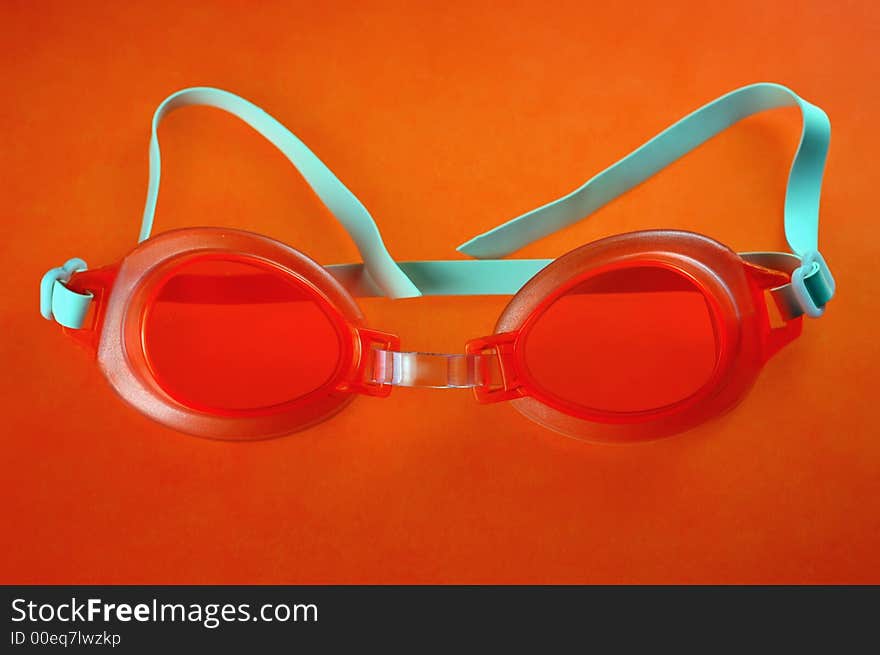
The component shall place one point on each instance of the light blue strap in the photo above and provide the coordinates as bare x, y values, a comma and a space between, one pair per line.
812, 284
341, 202
70, 308
802, 196
482, 277
801, 199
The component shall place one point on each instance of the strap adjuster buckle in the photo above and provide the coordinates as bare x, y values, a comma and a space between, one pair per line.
812, 284
60, 303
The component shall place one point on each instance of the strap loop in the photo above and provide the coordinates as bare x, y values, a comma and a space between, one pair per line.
60, 303
812, 284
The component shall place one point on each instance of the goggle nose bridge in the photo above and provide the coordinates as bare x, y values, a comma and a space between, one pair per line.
423, 370
486, 367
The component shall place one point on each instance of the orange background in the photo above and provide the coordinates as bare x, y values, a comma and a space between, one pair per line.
445, 119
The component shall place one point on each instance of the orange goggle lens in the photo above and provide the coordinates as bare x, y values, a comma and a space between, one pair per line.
627, 340
228, 335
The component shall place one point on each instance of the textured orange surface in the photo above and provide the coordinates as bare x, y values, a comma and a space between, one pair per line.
445, 118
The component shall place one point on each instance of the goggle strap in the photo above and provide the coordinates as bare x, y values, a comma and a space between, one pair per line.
339, 200
812, 283
801, 199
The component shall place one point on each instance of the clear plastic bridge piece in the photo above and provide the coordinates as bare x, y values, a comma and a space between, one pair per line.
435, 370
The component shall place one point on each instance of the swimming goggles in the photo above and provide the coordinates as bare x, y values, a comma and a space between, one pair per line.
229, 334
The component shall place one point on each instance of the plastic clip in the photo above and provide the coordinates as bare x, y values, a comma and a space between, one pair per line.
60, 303
813, 284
